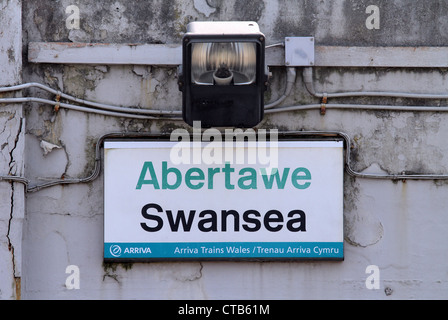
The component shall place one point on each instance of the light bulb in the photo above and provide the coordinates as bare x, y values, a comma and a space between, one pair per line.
213, 61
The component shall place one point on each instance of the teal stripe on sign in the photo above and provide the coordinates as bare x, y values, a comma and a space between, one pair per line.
225, 250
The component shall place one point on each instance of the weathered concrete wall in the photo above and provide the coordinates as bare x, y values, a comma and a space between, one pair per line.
12, 138
398, 226
403, 23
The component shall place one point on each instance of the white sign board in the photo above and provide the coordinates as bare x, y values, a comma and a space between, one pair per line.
157, 207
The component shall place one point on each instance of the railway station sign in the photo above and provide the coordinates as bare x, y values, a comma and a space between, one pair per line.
196, 201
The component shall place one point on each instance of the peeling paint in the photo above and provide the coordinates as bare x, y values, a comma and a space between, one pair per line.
11, 55
12, 131
203, 7
363, 229
48, 147
381, 219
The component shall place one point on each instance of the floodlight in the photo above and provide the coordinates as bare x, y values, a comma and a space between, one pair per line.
223, 74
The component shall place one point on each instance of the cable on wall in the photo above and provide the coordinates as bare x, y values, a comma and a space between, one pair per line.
290, 81
99, 108
309, 85
19, 179
147, 114
358, 107
337, 134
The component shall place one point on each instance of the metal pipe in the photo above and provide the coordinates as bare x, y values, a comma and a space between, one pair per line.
350, 171
136, 113
87, 102
85, 109
358, 107
22, 180
97, 166
347, 142
290, 80
309, 85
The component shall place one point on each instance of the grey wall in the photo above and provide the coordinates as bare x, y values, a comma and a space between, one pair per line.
398, 226
12, 160
341, 22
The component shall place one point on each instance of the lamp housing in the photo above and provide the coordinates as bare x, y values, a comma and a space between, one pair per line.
223, 75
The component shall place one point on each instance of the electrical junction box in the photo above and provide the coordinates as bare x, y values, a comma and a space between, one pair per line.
299, 51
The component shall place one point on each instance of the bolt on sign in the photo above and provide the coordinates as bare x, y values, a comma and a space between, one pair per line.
168, 200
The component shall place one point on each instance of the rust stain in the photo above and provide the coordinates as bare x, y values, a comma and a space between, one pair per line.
18, 287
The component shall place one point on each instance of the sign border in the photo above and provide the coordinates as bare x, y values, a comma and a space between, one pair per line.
292, 137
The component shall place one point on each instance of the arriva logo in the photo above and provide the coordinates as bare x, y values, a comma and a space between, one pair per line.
115, 250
